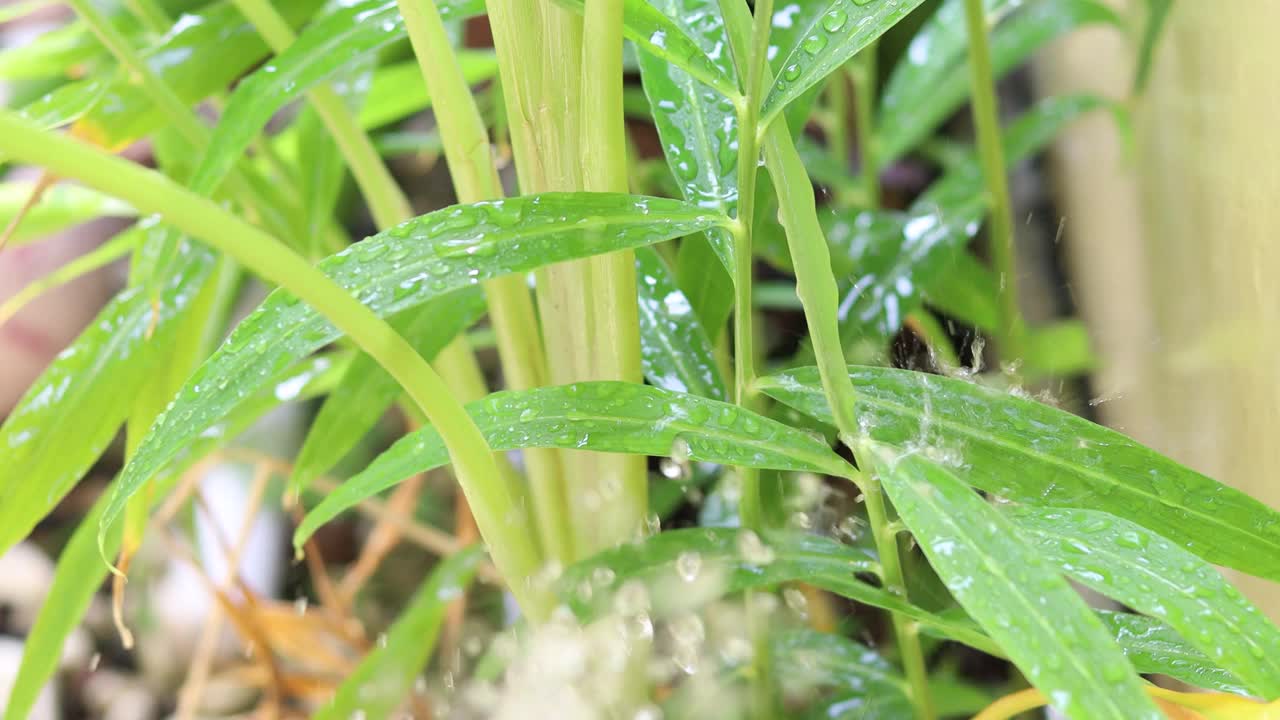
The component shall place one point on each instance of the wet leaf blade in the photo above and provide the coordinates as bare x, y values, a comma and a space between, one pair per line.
932, 80
728, 561
335, 42
674, 349
863, 684
1155, 648
401, 268
697, 126
1028, 452
386, 675
1020, 600
60, 207
80, 571
89, 386
366, 390
703, 279
1151, 575
827, 43
603, 417
658, 35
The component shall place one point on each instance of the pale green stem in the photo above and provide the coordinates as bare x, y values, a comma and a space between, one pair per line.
467, 150
986, 120
501, 519
864, 77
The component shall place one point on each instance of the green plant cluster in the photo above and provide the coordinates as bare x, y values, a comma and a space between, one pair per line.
638, 337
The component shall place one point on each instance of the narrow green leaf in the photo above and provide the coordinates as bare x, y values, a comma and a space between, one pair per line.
894, 258
1060, 348
1023, 603
686, 568
201, 55
1157, 17
62, 206
600, 416
366, 391
967, 291
674, 349
829, 42
1151, 575
399, 90
58, 52
90, 387
860, 684
332, 44
698, 127
1031, 453
400, 268
932, 80
703, 278
657, 34
80, 571
1154, 648
385, 676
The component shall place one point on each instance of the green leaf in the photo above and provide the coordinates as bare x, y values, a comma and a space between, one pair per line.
932, 80
1157, 18
62, 206
705, 281
385, 676
729, 560
1060, 348
347, 36
674, 349
610, 417
1151, 575
967, 291
90, 386
366, 391
1045, 627
399, 90
400, 268
657, 34
1031, 453
201, 55
1154, 648
827, 43
54, 53
80, 570
697, 126
861, 683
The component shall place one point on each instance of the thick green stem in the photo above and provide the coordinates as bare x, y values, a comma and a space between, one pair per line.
986, 120
467, 150
501, 519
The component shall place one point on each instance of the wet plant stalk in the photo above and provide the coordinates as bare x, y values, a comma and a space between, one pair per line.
819, 297
467, 150
498, 513
750, 60
387, 202
986, 120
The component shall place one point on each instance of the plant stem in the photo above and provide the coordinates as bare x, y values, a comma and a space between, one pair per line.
467, 150
864, 74
500, 517
986, 121
622, 483
151, 14
819, 296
